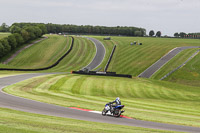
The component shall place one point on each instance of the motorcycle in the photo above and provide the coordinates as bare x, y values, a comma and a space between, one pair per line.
115, 111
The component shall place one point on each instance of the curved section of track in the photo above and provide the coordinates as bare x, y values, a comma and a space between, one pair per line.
22, 104
162, 61
100, 54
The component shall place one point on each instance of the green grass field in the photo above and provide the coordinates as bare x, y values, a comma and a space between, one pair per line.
135, 59
144, 99
2, 34
22, 122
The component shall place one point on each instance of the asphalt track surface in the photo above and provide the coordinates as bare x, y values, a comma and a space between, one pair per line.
162, 61
22, 104
100, 53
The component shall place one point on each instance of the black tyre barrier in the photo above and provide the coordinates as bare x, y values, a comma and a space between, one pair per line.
102, 74
111, 55
45, 68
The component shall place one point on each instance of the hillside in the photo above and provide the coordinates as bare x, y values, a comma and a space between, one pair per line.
135, 59
47, 52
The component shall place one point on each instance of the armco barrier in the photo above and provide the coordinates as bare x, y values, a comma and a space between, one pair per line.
45, 68
111, 55
102, 74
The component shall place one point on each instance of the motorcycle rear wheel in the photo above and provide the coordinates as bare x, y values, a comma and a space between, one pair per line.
117, 113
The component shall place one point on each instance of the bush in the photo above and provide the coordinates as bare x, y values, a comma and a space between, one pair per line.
25, 35
1, 50
12, 42
19, 39
6, 45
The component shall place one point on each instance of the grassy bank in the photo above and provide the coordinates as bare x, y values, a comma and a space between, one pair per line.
144, 99
189, 74
81, 55
43, 53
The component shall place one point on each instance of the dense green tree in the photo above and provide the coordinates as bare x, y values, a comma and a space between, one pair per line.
37, 31
21, 33
43, 28
182, 34
151, 33
158, 34
25, 35
7, 47
176, 34
31, 32
4, 28
12, 42
15, 29
19, 39
1, 50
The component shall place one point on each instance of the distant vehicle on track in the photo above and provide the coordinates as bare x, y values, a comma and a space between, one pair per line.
107, 38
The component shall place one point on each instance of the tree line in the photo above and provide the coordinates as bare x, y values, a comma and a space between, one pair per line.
88, 29
20, 36
184, 35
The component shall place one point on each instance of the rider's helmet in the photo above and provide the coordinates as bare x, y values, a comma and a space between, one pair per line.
117, 100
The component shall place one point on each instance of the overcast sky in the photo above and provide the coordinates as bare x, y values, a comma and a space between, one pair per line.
168, 16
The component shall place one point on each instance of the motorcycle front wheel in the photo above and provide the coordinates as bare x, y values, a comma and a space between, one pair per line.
104, 112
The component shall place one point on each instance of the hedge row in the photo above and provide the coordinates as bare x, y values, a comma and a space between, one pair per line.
89, 29
19, 37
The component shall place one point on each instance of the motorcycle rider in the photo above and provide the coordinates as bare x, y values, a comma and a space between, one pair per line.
116, 101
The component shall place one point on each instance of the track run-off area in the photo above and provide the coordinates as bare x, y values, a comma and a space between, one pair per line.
22, 104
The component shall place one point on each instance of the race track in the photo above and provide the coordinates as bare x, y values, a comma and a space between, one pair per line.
22, 104
162, 61
100, 53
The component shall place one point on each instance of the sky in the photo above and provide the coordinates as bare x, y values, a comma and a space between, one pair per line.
167, 16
